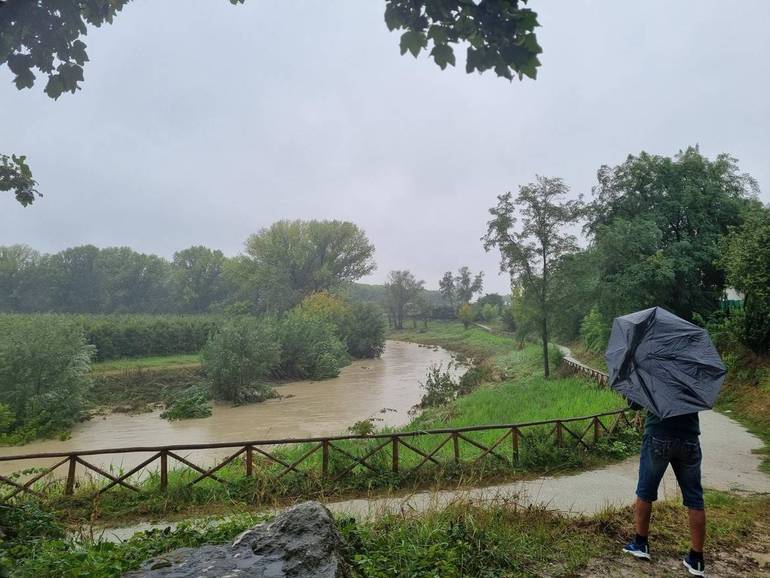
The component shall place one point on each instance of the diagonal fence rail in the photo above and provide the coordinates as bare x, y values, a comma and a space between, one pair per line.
329, 459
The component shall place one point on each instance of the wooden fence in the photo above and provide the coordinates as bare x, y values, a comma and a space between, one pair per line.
594, 374
563, 432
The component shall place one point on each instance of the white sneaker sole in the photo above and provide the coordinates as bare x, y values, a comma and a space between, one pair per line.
638, 554
692, 570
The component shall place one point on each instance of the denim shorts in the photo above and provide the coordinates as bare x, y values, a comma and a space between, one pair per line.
684, 455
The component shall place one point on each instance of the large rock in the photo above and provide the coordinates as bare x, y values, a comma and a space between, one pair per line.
301, 542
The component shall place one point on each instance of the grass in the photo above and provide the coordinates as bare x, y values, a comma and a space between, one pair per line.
499, 539
516, 392
154, 362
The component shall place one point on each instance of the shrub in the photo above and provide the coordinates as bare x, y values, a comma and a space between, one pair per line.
240, 357
44, 366
310, 348
191, 404
440, 387
595, 331
365, 337
489, 312
466, 314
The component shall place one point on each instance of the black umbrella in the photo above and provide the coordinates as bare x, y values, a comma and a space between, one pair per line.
663, 363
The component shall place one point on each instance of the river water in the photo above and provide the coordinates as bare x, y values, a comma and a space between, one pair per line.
384, 389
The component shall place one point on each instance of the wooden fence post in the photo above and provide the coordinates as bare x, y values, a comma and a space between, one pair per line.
597, 431
249, 461
70, 487
515, 444
325, 458
559, 434
394, 443
456, 447
164, 471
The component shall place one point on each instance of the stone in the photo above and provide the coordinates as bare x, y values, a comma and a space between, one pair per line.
301, 542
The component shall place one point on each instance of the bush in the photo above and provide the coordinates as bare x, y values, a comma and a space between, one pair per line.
595, 331
44, 367
440, 387
191, 404
466, 314
310, 347
365, 337
240, 357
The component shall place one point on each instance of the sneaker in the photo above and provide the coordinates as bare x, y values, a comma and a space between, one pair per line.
638, 550
694, 567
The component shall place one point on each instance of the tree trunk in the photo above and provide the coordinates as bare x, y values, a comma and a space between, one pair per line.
546, 369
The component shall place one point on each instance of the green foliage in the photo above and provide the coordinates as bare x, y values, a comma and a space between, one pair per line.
489, 312
365, 337
199, 279
67, 557
530, 254
656, 223
466, 314
44, 366
500, 34
595, 331
746, 258
293, 259
16, 176
119, 336
460, 288
310, 347
240, 357
190, 404
7, 418
440, 387
402, 289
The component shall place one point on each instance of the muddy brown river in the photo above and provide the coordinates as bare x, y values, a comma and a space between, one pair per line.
384, 389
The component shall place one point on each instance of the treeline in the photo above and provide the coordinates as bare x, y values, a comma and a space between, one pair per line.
280, 266
670, 231
45, 360
118, 336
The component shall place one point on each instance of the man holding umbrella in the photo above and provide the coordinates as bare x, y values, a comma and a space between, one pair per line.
669, 367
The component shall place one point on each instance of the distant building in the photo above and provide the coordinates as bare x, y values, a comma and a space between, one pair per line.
731, 299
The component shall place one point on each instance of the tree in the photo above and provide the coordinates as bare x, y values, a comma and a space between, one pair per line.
16, 176
446, 287
402, 288
46, 35
530, 253
657, 222
366, 337
467, 285
44, 373
746, 257
292, 259
239, 357
311, 347
17, 262
198, 277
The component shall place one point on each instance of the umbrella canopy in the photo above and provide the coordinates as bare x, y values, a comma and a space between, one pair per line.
664, 363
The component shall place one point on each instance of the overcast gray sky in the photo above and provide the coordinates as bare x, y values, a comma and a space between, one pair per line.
200, 122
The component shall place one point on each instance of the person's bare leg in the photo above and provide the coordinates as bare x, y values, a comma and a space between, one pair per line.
697, 529
642, 514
